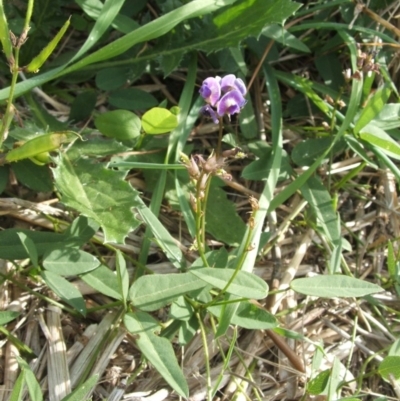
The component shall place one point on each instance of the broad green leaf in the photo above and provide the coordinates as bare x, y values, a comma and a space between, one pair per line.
37, 178
18, 387
248, 316
132, 99
7, 316
281, 35
374, 105
158, 351
104, 281
318, 384
389, 117
152, 292
96, 147
81, 392
112, 78
164, 239
332, 286
65, 290
83, 105
159, 121
181, 309
315, 193
306, 152
230, 29
223, 222
35, 392
99, 194
69, 262
379, 138
30, 248
390, 366
252, 317
11, 247
118, 124
122, 275
245, 285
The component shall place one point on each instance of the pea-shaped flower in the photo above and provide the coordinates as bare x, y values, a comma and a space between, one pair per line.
230, 103
230, 82
210, 90
225, 96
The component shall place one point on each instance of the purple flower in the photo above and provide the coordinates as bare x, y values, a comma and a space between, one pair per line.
230, 103
230, 82
210, 90
208, 111
223, 95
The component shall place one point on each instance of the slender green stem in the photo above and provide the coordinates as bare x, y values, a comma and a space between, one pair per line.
201, 197
220, 137
206, 356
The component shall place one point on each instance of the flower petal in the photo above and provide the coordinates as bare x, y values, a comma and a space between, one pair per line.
230, 103
230, 82
210, 90
208, 111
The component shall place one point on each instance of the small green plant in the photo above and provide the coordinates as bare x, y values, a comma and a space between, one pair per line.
210, 292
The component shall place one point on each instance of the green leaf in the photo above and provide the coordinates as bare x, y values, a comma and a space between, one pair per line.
248, 316
121, 22
104, 281
69, 262
315, 193
41, 58
11, 247
7, 316
318, 384
34, 177
65, 290
18, 387
374, 105
122, 275
81, 392
389, 117
150, 293
5, 33
223, 222
181, 309
306, 152
246, 285
112, 78
99, 194
35, 392
158, 351
281, 35
379, 138
159, 121
83, 106
30, 248
164, 238
118, 124
332, 286
132, 99
150, 31
230, 29
390, 366
96, 147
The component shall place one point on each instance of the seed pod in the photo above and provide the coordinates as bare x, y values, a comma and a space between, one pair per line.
40, 144
39, 60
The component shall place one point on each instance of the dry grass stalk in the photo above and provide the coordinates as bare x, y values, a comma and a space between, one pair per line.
57, 368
